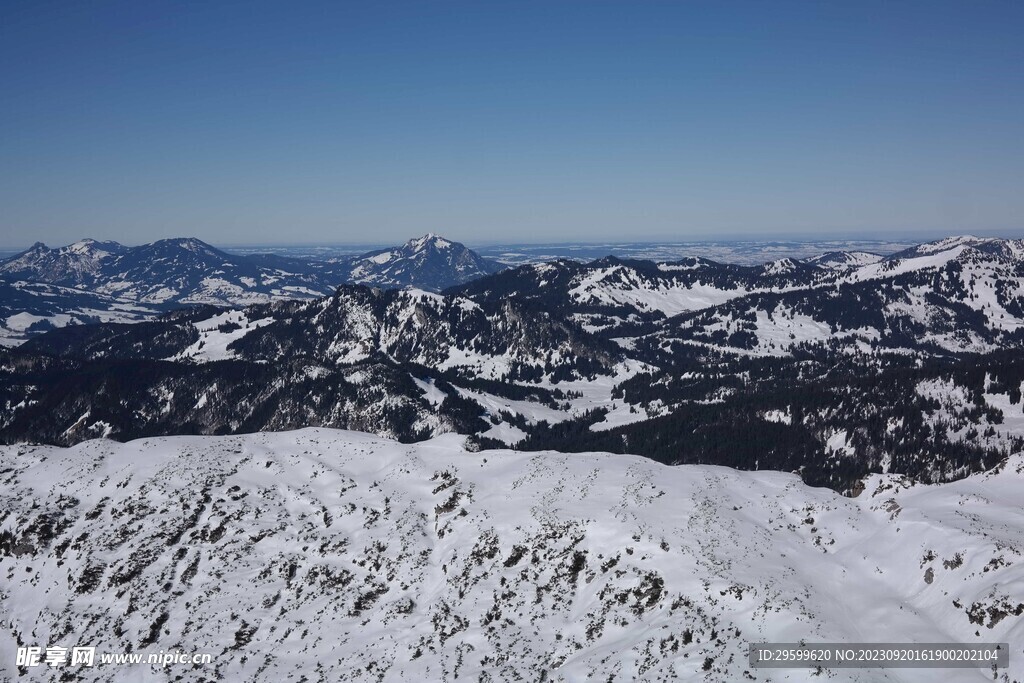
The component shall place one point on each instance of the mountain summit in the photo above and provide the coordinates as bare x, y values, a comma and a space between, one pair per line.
430, 262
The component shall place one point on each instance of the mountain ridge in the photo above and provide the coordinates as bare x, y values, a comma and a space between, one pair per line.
186, 271
835, 373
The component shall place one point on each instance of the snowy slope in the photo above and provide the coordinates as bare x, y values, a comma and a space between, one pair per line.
844, 260
620, 285
329, 555
958, 295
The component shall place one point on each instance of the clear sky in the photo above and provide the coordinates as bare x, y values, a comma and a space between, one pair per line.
341, 121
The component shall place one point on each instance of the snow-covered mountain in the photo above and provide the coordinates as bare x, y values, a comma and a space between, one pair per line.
844, 260
328, 555
954, 295
958, 294
167, 272
951, 296
101, 279
618, 297
680, 362
378, 360
430, 262
494, 341
75, 265
189, 271
949, 244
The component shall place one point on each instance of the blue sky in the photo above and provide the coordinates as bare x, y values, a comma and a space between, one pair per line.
271, 122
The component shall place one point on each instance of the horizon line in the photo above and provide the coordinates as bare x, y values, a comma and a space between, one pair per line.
791, 238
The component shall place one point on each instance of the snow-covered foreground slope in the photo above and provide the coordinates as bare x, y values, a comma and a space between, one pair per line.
331, 555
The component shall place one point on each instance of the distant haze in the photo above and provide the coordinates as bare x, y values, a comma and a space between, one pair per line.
370, 123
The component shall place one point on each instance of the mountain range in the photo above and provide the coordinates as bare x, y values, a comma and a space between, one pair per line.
834, 367
617, 469
92, 281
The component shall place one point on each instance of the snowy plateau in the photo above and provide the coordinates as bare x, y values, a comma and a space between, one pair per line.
329, 555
